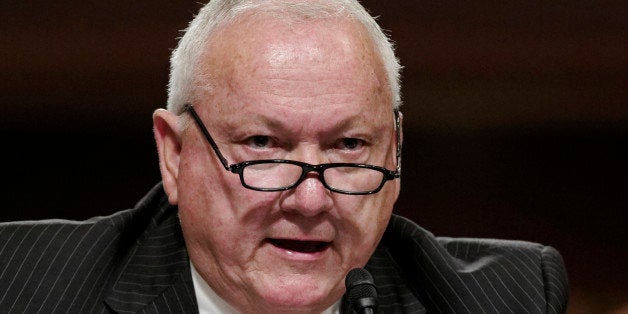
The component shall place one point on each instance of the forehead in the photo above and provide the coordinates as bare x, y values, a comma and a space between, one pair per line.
263, 59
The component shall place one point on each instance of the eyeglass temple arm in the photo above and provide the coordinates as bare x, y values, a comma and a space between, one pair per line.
197, 119
399, 144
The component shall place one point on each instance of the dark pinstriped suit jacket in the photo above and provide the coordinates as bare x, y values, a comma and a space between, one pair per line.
136, 261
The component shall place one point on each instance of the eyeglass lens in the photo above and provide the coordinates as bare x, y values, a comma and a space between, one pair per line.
283, 175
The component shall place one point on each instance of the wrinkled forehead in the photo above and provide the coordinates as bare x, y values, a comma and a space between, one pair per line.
263, 44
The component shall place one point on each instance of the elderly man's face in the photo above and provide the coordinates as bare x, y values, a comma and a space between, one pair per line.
313, 92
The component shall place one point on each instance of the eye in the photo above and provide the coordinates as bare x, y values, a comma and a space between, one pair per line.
351, 143
258, 141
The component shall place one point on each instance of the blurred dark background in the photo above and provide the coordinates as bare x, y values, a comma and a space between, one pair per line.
516, 119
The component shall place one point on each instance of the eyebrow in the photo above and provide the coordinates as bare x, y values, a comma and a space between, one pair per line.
280, 125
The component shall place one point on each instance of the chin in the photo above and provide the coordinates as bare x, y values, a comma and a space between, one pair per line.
304, 295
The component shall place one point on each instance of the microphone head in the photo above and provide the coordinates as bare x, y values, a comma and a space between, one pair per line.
361, 291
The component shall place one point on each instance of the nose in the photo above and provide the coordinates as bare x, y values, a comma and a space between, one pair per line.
309, 198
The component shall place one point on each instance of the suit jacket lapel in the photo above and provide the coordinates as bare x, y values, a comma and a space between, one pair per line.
156, 275
393, 293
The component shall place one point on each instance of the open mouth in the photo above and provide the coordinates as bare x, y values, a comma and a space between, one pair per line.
300, 246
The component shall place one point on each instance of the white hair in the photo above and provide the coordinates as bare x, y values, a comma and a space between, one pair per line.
184, 61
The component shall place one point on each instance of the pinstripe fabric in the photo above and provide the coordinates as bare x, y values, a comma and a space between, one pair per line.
416, 272
135, 262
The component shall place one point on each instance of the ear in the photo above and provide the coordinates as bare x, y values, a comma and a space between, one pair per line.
167, 137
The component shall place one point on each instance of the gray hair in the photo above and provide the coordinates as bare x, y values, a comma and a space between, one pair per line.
185, 58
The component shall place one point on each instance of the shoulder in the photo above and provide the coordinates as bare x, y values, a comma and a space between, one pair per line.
37, 235
51, 230
46, 245
464, 251
49, 262
476, 274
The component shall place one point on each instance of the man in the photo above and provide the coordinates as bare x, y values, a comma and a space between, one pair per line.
280, 159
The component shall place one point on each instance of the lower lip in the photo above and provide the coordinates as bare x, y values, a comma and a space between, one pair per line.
299, 256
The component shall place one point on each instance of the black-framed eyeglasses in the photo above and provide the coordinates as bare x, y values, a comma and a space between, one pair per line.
271, 175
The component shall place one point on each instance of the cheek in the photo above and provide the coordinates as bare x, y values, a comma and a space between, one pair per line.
214, 206
225, 209
364, 222
223, 233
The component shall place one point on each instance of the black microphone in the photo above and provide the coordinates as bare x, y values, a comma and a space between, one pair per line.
361, 291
